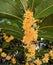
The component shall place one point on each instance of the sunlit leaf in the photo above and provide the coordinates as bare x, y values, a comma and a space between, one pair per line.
44, 9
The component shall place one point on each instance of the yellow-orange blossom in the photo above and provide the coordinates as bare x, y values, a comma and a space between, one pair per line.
30, 34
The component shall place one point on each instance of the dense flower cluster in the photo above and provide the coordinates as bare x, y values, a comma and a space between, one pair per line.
30, 35
31, 52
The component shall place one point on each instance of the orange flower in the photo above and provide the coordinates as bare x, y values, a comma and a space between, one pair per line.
32, 48
13, 60
51, 53
8, 57
28, 14
38, 62
30, 35
26, 40
3, 54
45, 60
27, 23
46, 55
9, 38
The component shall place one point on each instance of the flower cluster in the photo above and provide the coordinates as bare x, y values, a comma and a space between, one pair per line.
7, 39
7, 57
31, 52
51, 53
38, 61
30, 34
45, 59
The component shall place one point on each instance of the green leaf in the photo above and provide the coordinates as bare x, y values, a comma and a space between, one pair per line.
11, 29
44, 9
32, 4
46, 28
24, 3
11, 9
16, 23
14, 10
5, 45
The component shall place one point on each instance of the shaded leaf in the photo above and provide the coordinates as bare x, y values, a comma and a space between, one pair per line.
12, 30
46, 28
5, 45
